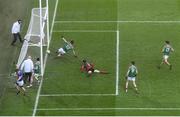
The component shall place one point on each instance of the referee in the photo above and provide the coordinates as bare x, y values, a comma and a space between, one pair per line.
16, 31
27, 67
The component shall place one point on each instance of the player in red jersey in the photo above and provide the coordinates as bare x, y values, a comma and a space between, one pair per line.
89, 68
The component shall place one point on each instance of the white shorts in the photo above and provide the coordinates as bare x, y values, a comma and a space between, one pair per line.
131, 78
20, 83
61, 51
165, 57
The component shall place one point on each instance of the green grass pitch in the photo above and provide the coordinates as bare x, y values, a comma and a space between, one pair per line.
143, 27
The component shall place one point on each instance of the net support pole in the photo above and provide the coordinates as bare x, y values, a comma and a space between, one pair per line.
47, 23
41, 38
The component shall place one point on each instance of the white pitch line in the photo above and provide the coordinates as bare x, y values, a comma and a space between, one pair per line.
117, 63
40, 86
59, 95
86, 31
117, 51
130, 21
105, 109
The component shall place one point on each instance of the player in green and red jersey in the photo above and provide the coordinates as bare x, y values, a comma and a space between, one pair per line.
89, 68
167, 49
68, 46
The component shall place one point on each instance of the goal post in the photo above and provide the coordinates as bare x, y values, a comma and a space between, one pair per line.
41, 38
36, 40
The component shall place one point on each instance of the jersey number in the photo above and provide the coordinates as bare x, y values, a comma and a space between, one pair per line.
167, 49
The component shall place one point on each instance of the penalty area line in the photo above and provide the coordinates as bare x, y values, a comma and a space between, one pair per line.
105, 109
61, 95
90, 31
130, 21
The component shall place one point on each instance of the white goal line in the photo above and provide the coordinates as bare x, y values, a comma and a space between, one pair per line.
131, 21
59, 95
105, 109
86, 31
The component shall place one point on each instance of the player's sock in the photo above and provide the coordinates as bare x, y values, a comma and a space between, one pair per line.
39, 81
126, 90
103, 72
18, 92
136, 90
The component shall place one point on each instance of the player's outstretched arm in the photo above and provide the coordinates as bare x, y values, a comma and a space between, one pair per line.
64, 39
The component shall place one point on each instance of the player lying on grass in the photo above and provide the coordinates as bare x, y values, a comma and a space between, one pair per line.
131, 76
167, 49
68, 46
19, 82
89, 68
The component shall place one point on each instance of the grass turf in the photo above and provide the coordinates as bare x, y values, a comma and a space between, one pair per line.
141, 42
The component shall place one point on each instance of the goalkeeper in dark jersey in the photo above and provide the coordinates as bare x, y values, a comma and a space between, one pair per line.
167, 49
89, 68
68, 46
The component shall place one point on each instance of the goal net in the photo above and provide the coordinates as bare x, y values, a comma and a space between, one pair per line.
32, 40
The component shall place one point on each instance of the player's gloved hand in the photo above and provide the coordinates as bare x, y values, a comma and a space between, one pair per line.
75, 56
126, 77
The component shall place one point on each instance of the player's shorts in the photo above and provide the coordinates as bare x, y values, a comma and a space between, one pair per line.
131, 78
61, 51
165, 57
20, 83
90, 71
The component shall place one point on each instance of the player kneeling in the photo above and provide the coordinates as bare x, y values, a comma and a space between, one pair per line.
20, 82
89, 68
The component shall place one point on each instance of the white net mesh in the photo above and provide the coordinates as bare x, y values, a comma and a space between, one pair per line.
32, 37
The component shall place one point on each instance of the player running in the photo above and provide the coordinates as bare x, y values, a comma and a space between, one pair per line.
89, 68
131, 76
67, 47
167, 49
20, 82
